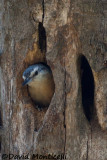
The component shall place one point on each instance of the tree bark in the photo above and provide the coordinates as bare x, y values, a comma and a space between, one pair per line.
71, 37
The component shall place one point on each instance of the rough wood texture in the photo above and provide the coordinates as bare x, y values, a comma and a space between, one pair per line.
59, 32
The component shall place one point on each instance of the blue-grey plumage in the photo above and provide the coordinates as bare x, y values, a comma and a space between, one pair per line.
40, 83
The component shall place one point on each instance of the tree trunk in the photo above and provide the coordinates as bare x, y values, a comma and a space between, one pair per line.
71, 37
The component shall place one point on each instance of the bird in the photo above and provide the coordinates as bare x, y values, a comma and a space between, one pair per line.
41, 86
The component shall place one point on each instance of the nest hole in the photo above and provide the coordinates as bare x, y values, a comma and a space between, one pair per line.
87, 86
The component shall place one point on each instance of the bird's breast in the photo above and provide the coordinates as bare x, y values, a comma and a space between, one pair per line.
42, 89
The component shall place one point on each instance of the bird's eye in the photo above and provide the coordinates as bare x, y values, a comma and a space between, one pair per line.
36, 73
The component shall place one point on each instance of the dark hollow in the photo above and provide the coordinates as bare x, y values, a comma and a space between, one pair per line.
87, 85
42, 37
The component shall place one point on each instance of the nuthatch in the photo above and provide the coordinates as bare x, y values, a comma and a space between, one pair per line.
40, 83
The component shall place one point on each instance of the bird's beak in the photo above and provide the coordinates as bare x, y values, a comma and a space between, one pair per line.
26, 82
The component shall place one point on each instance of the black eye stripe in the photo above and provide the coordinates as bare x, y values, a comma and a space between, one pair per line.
36, 73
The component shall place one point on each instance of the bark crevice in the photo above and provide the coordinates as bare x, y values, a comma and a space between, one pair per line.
42, 37
87, 151
64, 113
43, 4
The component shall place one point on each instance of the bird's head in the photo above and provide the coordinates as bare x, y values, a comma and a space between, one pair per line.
35, 71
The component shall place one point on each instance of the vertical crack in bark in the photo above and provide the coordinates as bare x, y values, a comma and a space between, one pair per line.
1, 123
87, 151
1, 129
11, 98
13, 57
43, 11
65, 110
91, 135
42, 38
42, 33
